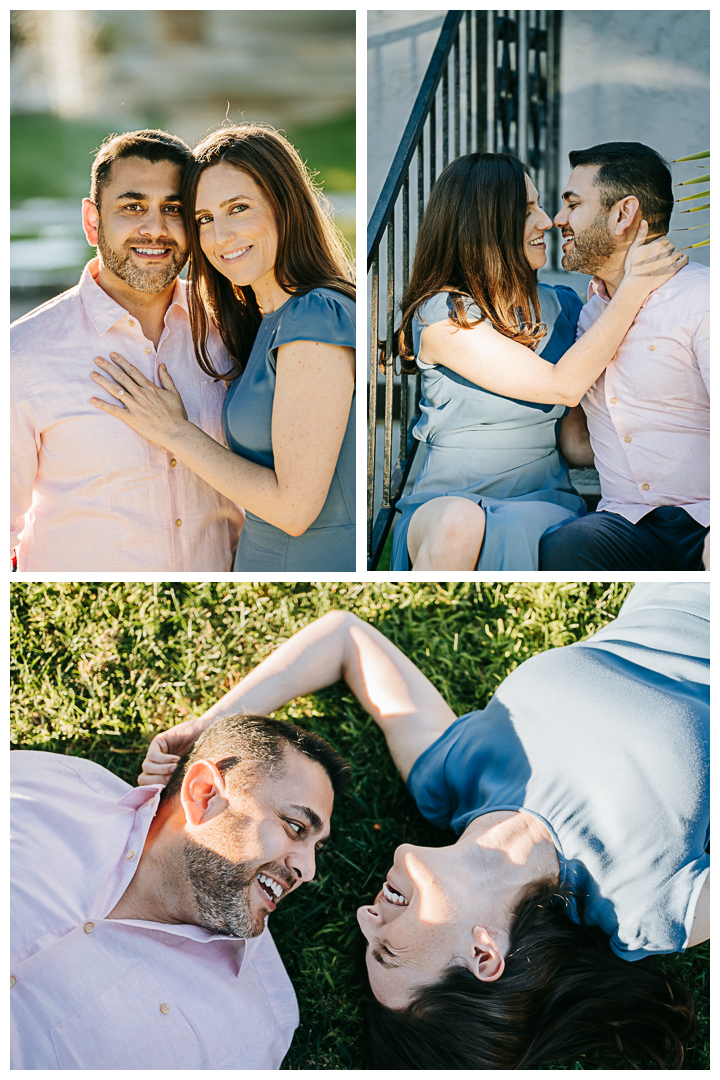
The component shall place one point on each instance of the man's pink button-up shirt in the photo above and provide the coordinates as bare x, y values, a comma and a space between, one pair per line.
89, 992
648, 414
87, 492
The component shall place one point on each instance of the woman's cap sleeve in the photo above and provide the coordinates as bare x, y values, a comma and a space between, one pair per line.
322, 315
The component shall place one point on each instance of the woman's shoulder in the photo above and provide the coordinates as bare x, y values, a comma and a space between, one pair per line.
441, 306
321, 303
321, 314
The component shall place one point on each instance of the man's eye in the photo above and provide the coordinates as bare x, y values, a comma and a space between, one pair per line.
172, 210
133, 206
298, 828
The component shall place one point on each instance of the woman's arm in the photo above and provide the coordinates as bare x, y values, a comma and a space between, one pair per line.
313, 395
701, 920
499, 364
574, 441
405, 705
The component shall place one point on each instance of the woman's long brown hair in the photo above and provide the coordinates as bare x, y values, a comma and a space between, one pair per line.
471, 244
311, 251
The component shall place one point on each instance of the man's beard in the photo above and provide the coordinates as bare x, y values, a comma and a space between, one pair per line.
591, 248
221, 886
222, 892
150, 280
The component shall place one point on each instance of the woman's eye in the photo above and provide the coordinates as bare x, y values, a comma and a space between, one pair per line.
203, 220
240, 206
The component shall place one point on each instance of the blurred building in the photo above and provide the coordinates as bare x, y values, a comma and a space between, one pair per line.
78, 76
187, 69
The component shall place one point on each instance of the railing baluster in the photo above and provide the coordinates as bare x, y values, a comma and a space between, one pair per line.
468, 83
433, 142
405, 274
372, 394
456, 96
445, 130
522, 83
389, 359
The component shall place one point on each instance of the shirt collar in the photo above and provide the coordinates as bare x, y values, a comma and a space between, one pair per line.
102, 310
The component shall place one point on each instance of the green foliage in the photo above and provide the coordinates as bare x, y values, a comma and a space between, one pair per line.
704, 179
51, 158
98, 668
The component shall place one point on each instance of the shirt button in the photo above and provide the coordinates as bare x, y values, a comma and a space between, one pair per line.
148, 350
613, 401
628, 439
652, 348
646, 487
130, 855
178, 522
165, 1008
173, 462
130, 322
13, 980
89, 927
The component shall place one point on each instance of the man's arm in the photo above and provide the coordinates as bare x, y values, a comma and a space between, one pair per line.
574, 442
406, 706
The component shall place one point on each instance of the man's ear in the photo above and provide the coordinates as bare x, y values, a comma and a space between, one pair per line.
627, 215
203, 794
487, 962
90, 218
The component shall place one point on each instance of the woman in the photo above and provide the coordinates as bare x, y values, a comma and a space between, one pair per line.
499, 368
580, 796
268, 268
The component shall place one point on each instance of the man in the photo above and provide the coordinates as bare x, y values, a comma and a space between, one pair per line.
89, 493
648, 414
138, 915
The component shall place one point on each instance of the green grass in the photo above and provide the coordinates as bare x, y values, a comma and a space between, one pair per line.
97, 669
51, 158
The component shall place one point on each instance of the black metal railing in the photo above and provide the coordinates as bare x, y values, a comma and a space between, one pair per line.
492, 84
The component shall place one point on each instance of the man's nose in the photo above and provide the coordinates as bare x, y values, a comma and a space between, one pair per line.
561, 218
302, 864
153, 222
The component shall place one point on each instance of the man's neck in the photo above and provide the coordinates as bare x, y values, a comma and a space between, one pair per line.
614, 271
148, 308
159, 890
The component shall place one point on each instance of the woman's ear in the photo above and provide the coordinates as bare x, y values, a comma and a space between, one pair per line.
487, 962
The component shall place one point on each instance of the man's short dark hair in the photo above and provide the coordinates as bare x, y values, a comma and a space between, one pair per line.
262, 742
149, 145
630, 168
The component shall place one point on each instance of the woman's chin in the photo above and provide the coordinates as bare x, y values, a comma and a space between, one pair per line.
537, 259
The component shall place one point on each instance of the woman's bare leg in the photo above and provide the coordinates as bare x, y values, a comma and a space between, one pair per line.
446, 534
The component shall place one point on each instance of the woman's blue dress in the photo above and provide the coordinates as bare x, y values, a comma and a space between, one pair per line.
498, 452
321, 315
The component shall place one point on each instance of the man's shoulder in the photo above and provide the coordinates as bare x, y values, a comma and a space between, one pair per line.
37, 769
58, 311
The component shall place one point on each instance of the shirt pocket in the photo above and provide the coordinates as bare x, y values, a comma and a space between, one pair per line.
134, 1024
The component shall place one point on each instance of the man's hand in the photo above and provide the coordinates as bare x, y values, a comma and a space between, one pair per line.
706, 552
